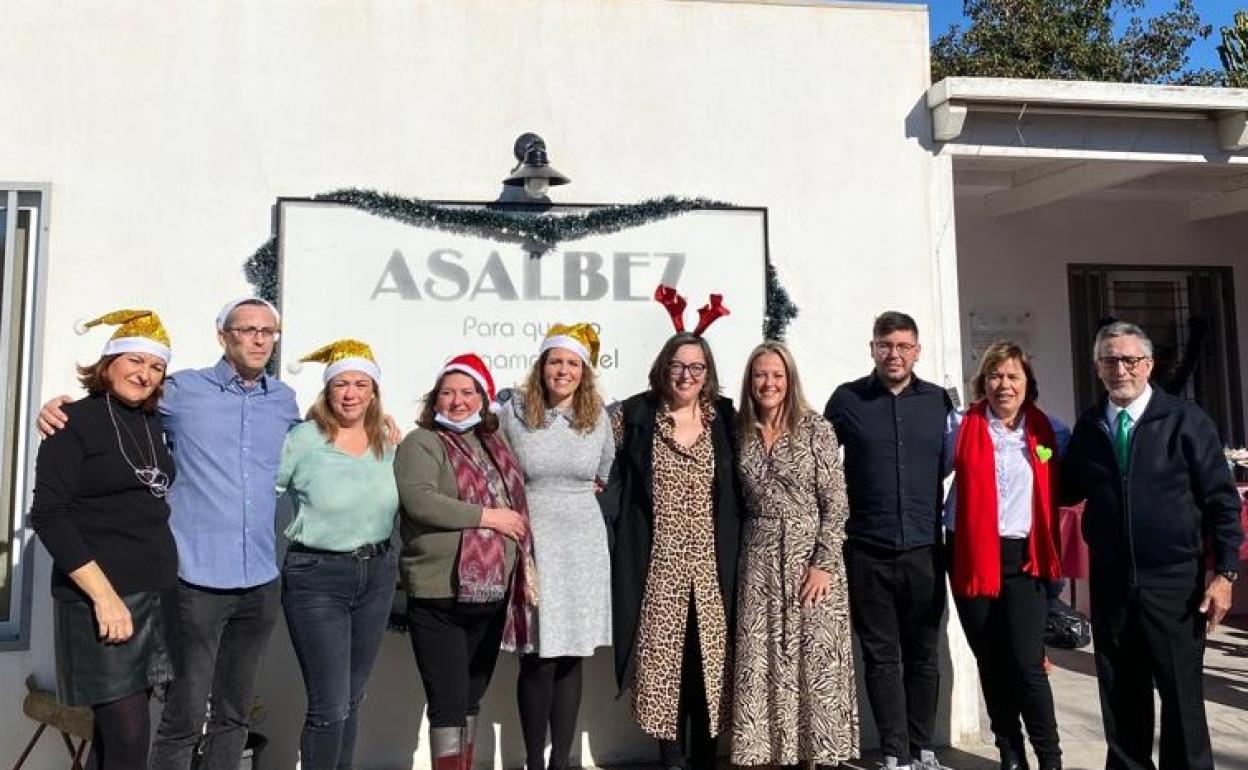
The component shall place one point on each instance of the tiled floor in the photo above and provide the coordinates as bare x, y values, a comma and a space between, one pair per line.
1079, 715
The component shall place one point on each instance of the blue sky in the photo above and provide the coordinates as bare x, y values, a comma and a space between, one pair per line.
1203, 53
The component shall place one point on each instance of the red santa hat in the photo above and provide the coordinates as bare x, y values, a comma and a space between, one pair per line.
472, 365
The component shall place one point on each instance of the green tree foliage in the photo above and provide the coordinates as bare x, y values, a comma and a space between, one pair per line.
1234, 51
1071, 40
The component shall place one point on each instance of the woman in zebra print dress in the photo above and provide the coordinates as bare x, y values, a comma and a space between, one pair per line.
794, 697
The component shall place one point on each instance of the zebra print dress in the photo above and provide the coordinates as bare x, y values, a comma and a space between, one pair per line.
794, 697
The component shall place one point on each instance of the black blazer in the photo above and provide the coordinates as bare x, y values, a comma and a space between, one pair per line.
628, 506
1151, 527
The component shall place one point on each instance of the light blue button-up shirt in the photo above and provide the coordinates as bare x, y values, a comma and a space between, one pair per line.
226, 442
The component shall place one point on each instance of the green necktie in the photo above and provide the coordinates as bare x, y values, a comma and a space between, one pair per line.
1122, 440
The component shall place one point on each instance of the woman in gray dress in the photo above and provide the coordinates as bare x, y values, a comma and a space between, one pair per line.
561, 436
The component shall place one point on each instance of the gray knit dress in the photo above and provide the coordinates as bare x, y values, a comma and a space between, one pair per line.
569, 535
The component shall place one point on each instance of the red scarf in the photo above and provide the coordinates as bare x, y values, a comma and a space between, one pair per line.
482, 552
976, 569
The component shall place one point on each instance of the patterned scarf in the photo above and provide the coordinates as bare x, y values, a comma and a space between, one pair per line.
482, 552
976, 567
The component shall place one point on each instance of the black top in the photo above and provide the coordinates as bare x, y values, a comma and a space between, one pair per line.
894, 460
628, 505
1152, 526
89, 505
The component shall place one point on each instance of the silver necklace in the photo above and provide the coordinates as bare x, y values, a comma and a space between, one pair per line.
149, 475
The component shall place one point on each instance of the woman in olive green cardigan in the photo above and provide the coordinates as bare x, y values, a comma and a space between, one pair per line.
465, 536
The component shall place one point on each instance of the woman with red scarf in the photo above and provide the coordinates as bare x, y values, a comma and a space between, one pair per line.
1002, 520
467, 560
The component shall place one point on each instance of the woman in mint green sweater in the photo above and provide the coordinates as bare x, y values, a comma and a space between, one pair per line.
339, 575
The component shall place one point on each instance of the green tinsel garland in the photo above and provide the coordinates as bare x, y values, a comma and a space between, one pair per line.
780, 308
540, 232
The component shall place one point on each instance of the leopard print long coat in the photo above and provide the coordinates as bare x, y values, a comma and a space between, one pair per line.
794, 697
682, 569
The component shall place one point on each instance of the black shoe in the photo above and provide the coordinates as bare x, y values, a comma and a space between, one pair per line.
670, 755
1013, 755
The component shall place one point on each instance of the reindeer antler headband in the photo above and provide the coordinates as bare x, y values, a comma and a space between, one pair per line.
676, 304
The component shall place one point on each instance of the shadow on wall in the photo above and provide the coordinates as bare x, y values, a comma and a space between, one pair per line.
390, 719
390, 733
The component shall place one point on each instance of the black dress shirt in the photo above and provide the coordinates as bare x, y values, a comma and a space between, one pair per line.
894, 463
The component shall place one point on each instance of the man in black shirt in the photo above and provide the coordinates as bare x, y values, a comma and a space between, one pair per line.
892, 425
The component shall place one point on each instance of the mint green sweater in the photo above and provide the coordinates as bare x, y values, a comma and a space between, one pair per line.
341, 502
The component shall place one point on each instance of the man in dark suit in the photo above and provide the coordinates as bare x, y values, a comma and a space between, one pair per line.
1158, 489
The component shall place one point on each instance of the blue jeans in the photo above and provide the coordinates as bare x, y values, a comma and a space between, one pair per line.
336, 606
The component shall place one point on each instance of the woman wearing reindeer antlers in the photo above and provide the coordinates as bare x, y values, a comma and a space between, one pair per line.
675, 504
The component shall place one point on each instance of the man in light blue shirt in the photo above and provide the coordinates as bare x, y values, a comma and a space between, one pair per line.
225, 426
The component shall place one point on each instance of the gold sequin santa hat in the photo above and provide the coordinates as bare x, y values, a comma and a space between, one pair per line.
345, 355
580, 338
138, 331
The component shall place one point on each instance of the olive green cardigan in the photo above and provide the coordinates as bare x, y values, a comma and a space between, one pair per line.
431, 515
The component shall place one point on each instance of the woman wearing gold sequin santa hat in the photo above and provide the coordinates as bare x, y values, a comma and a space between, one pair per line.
99, 508
467, 558
339, 573
561, 436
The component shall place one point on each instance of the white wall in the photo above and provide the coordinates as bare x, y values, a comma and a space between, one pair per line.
168, 130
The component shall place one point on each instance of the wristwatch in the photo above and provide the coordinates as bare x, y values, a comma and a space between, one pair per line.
1230, 575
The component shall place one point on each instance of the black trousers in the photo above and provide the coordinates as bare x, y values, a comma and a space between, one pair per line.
694, 748
1148, 637
456, 647
1006, 633
896, 602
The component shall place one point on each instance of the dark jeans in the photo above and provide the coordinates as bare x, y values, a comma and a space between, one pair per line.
1006, 633
694, 748
896, 602
224, 634
456, 647
336, 609
1148, 637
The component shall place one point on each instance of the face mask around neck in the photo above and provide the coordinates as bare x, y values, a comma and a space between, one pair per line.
462, 426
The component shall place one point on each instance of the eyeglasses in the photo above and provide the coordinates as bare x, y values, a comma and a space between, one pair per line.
678, 369
252, 332
1128, 362
885, 348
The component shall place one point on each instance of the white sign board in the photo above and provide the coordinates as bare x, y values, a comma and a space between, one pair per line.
419, 296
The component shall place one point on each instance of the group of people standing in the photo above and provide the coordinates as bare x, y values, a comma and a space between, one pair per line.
726, 553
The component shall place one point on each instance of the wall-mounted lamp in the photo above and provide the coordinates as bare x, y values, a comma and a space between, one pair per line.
533, 172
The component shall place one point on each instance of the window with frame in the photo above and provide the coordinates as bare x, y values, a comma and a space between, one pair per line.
23, 232
1187, 312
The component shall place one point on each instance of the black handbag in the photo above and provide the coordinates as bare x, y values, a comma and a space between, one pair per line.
1067, 628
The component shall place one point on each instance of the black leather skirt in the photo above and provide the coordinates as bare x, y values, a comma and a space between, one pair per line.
90, 672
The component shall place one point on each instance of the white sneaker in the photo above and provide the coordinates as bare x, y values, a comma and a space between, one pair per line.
890, 763
927, 761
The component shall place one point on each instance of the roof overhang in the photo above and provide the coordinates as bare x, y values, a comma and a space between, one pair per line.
952, 99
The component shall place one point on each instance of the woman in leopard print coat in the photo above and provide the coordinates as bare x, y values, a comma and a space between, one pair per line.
674, 503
